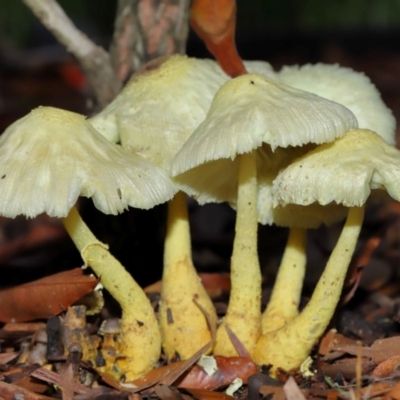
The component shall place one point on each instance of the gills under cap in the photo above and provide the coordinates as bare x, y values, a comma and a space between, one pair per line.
51, 156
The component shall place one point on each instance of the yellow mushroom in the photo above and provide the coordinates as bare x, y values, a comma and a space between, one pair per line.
355, 91
343, 172
219, 163
51, 157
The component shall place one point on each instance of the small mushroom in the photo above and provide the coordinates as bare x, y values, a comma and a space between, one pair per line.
219, 163
47, 160
355, 91
345, 172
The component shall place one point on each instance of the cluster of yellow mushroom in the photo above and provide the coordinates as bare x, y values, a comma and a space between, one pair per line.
291, 147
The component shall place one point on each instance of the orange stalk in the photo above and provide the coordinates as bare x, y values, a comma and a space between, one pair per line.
215, 23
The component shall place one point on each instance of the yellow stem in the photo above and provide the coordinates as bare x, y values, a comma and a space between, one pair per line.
286, 294
289, 346
183, 325
140, 334
244, 314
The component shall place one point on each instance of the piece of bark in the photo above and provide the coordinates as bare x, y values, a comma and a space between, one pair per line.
292, 391
9, 391
347, 367
145, 30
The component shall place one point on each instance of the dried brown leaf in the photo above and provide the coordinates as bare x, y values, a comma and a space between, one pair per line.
57, 379
9, 391
7, 357
201, 394
44, 297
229, 368
237, 344
292, 391
346, 367
165, 392
382, 349
387, 367
18, 330
275, 392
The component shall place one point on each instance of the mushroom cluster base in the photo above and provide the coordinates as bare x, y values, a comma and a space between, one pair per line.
289, 346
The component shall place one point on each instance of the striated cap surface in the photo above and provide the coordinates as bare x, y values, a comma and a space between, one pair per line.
253, 109
352, 89
343, 172
160, 107
50, 157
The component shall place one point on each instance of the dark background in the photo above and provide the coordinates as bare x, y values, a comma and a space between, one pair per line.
35, 70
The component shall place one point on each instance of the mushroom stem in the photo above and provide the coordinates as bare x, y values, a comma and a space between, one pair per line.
285, 298
289, 346
244, 310
184, 327
140, 334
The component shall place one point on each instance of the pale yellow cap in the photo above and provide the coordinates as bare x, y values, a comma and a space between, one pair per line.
251, 110
352, 89
343, 172
159, 108
50, 157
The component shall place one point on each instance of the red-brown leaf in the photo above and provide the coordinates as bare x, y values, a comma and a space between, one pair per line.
229, 368
200, 394
45, 297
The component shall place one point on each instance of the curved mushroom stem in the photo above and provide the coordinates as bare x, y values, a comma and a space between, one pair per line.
184, 327
289, 346
140, 334
215, 23
285, 299
244, 310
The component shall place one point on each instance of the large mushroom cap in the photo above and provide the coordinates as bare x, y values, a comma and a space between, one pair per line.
343, 172
171, 99
160, 107
253, 109
352, 89
50, 157
242, 116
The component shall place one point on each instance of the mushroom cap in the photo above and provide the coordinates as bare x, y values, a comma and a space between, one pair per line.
352, 89
252, 109
169, 100
343, 172
160, 107
50, 157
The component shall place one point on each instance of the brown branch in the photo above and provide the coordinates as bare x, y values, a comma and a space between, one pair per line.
126, 38
147, 29
94, 60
